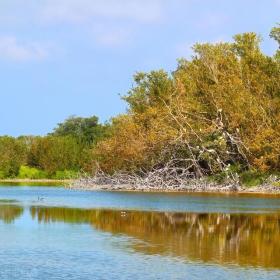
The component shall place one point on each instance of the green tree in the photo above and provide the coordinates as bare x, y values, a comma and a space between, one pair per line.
86, 130
53, 153
12, 156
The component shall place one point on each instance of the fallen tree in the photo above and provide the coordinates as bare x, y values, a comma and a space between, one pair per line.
167, 180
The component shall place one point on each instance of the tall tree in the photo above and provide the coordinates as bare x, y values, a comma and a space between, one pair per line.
87, 130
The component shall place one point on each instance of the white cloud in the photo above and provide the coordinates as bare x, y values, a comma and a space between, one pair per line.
117, 17
12, 49
83, 10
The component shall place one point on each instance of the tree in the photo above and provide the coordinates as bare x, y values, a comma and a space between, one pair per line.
53, 153
275, 33
86, 130
12, 156
219, 109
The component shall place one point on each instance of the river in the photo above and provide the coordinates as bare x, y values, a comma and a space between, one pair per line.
55, 233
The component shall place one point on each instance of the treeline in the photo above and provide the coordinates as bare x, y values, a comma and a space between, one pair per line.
218, 113
59, 155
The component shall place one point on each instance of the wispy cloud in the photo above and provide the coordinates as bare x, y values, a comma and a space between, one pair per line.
112, 38
120, 19
83, 10
12, 49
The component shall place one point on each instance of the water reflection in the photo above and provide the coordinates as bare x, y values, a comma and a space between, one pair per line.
248, 240
9, 212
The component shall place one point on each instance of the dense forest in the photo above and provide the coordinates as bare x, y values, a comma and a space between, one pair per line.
217, 114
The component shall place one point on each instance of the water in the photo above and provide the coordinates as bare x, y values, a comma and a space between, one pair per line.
54, 233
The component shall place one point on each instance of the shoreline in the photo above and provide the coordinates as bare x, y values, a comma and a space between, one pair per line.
208, 188
197, 188
36, 181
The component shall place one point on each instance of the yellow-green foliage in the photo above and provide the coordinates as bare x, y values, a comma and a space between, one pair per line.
26, 172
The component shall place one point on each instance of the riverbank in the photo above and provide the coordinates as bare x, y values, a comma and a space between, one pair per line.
191, 186
34, 181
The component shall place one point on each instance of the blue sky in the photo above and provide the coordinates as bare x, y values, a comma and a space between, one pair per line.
75, 57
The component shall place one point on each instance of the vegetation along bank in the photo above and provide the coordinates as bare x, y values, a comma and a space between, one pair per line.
215, 119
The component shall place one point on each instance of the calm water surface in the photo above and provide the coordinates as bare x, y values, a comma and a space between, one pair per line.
54, 233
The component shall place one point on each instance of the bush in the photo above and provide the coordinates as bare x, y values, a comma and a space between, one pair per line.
252, 178
2, 175
26, 172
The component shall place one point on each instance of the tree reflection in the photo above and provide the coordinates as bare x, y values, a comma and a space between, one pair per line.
8, 213
243, 239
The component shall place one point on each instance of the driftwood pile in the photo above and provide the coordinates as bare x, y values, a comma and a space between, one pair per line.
164, 179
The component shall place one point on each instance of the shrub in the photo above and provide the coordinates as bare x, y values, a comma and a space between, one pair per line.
252, 178
26, 172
